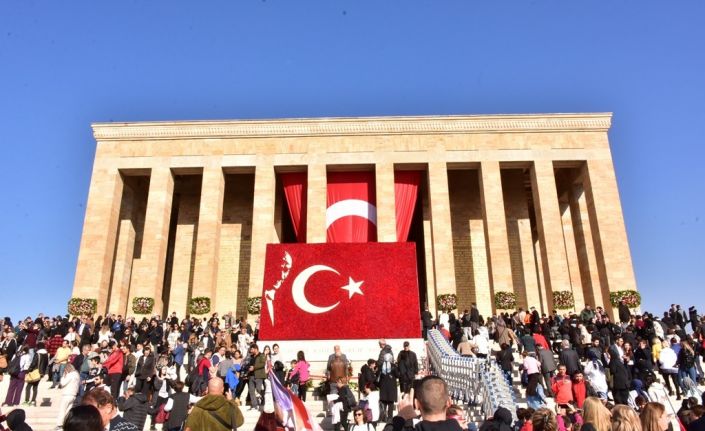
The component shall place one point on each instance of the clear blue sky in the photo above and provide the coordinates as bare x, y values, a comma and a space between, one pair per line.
64, 65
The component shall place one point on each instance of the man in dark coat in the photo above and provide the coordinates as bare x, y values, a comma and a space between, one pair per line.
624, 312
134, 407
408, 367
569, 358
643, 361
426, 321
548, 368
368, 374
621, 378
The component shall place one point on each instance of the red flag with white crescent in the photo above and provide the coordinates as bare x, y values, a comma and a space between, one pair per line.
340, 291
351, 213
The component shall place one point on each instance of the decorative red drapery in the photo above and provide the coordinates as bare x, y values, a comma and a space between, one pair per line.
295, 184
351, 214
406, 188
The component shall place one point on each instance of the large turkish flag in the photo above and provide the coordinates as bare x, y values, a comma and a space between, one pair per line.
340, 291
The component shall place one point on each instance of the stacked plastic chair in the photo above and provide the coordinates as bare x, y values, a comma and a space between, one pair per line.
471, 381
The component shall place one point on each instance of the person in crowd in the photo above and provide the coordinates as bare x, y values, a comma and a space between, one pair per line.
145, 371
596, 417
257, 373
621, 378
501, 420
360, 422
667, 360
17, 369
686, 363
107, 406
177, 406
548, 367
214, 410
387, 375
562, 386
114, 364
368, 373
68, 383
579, 388
544, 419
300, 374
408, 367
624, 418
505, 358
569, 358
38, 365
134, 407
370, 399
654, 417
432, 401
83, 418
342, 404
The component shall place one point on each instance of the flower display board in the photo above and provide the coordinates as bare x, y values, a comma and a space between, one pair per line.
631, 298
142, 305
82, 306
505, 300
447, 302
254, 305
563, 300
199, 305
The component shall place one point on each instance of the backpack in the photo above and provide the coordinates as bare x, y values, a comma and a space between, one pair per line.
364, 405
13, 368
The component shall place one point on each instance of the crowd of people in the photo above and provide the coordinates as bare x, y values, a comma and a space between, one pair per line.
197, 374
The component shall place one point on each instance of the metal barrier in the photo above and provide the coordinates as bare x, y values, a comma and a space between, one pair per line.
473, 381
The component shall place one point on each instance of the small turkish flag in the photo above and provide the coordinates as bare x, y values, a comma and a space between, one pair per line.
340, 291
351, 214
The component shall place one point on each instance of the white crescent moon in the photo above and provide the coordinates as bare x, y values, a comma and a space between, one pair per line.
351, 207
299, 286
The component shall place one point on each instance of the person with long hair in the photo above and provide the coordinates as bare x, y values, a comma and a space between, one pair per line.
686, 364
654, 417
300, 372
596, 417
544, 419
624, 418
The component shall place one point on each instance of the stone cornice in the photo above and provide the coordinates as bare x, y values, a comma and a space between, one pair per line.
361, 126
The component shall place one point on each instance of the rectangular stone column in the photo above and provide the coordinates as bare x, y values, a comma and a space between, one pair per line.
124, 254
492, 198
572, 256
100, 226
428, 250
317, 202
549, 224
520, 239
609, 234
386, 210
184, 255
443, 265
589, 272
263, 231
210, 216
148, 279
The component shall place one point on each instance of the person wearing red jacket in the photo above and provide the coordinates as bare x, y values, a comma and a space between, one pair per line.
114, 364
579, 389
562, 386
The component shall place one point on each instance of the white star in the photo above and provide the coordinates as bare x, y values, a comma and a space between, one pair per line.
353, 287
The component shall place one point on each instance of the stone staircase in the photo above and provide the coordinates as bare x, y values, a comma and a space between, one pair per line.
43, 417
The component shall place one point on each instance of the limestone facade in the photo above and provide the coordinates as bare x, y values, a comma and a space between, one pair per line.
519, 203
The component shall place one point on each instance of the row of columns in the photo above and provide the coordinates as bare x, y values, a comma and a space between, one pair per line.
600, 229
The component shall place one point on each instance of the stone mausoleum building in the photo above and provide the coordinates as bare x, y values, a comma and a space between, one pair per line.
519, 203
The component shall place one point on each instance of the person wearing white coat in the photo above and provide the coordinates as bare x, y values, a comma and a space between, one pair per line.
69, 389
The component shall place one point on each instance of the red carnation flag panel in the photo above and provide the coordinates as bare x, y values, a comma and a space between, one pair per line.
340, 291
